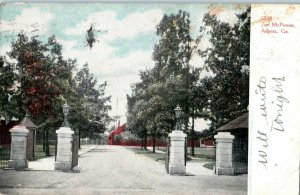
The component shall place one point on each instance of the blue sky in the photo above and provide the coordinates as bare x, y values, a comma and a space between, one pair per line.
125, 39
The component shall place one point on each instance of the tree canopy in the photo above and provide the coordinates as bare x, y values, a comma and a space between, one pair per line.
173, 80
37, 79
228, 59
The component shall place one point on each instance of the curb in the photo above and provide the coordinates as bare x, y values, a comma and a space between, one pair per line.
87, 151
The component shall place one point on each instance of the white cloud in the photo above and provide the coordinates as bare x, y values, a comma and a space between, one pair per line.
128, 27
139, 22
31, 20
223, 13
100, 20
228, 16
95, 57
66, 44
133, 62
101, 58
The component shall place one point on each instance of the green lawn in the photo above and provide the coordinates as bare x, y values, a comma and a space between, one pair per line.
207, 159
149, 153
162, 156
208, 153
38, 151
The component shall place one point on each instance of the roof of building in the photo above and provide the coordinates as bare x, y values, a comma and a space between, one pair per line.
238, 123
28, 123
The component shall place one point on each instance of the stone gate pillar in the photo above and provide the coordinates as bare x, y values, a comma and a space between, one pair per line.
177, 153
224, 165
18, 158
64, 149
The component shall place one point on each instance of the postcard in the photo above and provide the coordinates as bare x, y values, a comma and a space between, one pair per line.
149, 98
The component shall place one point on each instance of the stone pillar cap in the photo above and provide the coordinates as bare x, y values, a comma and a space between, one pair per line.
64, 130
177, 133
222, 135
19, 129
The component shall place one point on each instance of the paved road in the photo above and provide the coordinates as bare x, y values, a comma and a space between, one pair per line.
117, 170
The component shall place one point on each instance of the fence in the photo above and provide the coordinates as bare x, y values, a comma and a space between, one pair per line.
167, 156
240, 156
158, 142
138, 142
85, 141
185, 151
4, 156
196, 142
74, 152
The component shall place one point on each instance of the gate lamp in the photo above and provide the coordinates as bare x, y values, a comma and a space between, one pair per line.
66, 109
178, 112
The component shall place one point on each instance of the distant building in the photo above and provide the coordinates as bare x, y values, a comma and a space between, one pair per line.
207, 141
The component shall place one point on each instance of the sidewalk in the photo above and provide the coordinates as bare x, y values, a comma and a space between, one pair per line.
197, 168
47, 164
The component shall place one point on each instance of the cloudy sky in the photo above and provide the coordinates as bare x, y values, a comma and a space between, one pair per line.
125, 36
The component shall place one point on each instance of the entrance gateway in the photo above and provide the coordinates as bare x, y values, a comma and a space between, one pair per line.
67, 147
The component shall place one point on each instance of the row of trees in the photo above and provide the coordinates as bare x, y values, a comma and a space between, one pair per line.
36, 78
173, 80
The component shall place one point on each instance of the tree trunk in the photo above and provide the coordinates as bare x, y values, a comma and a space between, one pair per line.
56, 147
153, 144
47, 143
142, 144
79, 138
193, 132
145, 146
44, 140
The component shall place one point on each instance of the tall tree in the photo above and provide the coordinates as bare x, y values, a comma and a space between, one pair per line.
172, 80
228, 59
91, 105
41, 77
137, 105
173, 56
